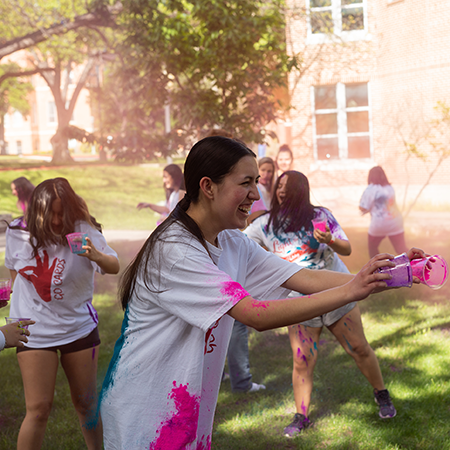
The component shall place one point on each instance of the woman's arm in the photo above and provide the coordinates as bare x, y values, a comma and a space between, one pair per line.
266, 315
108, 263
333, 289
340, 246
157, 208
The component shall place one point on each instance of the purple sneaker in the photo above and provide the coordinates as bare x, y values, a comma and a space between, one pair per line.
383, 400
299, 423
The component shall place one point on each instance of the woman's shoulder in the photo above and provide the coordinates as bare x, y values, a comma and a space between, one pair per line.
17, 225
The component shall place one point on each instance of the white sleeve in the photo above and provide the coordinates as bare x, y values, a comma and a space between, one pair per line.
266, 273
2, 340
99, 242
255, 231
367, 198
190, 286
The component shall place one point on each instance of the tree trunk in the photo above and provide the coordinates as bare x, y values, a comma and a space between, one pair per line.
60, 145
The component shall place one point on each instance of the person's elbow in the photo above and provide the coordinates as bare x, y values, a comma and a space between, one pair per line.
251, 313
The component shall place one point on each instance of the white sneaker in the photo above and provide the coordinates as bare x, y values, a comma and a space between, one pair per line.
256, 387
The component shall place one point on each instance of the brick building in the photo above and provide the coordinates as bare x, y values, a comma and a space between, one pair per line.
372, 74
32, 134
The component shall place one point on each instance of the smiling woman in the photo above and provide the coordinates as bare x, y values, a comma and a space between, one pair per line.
194, 275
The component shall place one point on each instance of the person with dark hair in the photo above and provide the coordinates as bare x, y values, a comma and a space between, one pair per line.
55, 287
174, 187
22, 188
386, 219
284, 159
287, 231
194, 275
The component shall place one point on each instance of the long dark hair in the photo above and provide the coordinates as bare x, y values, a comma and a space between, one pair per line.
296, 212
24, 188
377, 176
38, 217
213, 157
177, 175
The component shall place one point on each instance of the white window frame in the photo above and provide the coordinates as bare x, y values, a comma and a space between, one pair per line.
343, 162
336, 13
51, 115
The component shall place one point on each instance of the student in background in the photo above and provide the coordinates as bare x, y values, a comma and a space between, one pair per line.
378, 199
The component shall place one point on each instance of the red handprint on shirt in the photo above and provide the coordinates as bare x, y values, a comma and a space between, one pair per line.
41, 276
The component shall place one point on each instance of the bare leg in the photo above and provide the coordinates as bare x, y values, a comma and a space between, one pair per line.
39, 368
398, 242
350, 334
374, 243
81, 371
304, 344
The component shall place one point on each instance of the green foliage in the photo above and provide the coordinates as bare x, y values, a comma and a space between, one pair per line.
13, 92
216, 63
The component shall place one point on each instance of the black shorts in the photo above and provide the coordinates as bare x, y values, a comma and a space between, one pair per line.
90, 341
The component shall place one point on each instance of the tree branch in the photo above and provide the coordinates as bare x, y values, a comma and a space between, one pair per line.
103, 17
23, 73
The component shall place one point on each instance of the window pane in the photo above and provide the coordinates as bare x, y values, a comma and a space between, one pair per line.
319, 3
327, 148
326, 124
350, 2
352, 19
356, 95
359, 147
325, 97
358, 122
321, 22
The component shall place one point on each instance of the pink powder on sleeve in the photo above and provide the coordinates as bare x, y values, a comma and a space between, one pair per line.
234, 291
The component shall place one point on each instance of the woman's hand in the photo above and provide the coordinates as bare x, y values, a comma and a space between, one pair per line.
416, 253
322, 237
368, 281
340, 246
14, 334
108, 263
143, 205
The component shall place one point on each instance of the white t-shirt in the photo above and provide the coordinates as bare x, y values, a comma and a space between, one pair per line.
163, 381
55, 289
300, 248
386, 218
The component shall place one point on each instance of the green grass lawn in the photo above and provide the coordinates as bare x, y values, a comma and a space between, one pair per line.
111, 191
409, 330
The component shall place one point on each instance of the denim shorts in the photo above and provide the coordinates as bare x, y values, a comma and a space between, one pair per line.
90, 341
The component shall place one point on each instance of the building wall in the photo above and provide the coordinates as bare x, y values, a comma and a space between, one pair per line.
404, 56
35, 131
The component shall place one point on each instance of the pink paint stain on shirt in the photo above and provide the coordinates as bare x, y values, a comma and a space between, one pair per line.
204, 446
181, 429
234, 291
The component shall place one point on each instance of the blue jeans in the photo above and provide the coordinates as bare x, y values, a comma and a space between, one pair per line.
238, 362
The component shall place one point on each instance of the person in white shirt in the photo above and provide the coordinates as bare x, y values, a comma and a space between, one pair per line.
195, 274
386, 219
55, 287
173, 186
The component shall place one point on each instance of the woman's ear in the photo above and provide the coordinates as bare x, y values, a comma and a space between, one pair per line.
207, 187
